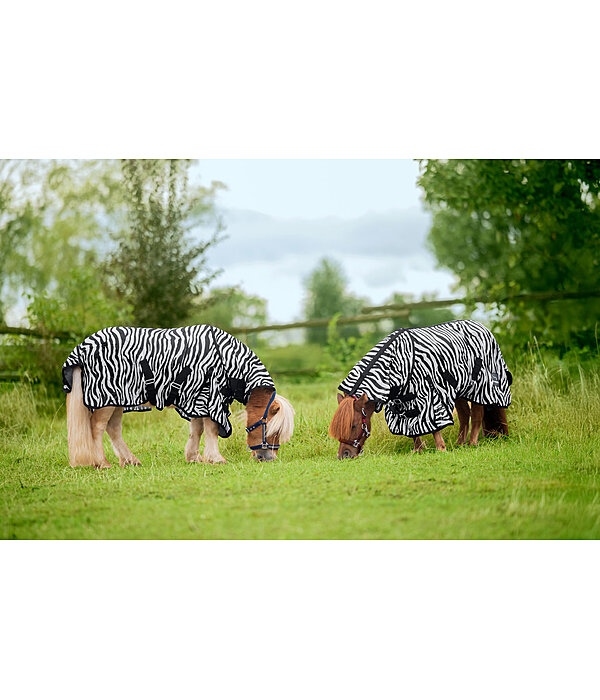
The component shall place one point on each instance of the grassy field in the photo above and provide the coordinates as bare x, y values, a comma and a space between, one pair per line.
542, 482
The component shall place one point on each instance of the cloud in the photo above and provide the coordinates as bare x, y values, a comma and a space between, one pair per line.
252, 236
383, 274
381, 253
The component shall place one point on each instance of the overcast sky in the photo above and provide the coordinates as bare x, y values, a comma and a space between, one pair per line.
283, 216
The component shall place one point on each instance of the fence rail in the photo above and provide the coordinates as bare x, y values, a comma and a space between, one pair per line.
529, 296
320, 322
369, 314
37, 333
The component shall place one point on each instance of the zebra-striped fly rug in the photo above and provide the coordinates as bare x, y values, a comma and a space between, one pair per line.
197, 369
418, 373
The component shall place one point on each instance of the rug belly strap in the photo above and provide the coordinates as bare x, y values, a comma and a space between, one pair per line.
176, 386
149, 382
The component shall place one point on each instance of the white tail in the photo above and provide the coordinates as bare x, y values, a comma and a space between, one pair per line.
79, 426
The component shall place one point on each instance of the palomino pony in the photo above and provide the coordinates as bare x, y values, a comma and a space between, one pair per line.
420, 375
198, 370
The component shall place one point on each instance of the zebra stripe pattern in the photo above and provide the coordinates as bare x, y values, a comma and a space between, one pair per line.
197, 369
422, 371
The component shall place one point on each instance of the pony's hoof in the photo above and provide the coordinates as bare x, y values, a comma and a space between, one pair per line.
135, 462
214, 460
104, 465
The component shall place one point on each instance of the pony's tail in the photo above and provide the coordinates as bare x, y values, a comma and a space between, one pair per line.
494, 421
79, 425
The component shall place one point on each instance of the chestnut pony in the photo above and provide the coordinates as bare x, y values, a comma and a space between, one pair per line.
351, 424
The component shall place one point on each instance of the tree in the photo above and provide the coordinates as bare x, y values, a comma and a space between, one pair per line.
18, 218
55, 222
155, 266
326, 296
510, 226
228, 307
55, 217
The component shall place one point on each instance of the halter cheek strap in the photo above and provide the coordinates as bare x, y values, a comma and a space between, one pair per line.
359, 442
263, 421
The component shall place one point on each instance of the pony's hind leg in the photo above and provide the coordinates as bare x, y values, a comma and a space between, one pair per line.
193, 444
100, 419
464, 414
476, 422
211, 443
114, 429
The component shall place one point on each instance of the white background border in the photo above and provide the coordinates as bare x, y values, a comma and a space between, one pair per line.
302, 619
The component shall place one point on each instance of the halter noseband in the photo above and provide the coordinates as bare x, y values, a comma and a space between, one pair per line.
359, 442
263, 421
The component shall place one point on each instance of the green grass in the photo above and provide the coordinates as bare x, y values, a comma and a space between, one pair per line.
542, 482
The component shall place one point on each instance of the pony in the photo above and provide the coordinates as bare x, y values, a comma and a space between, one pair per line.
351, 425
420, 375
198, 370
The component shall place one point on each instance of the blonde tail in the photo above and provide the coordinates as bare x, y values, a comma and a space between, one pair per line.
79, 425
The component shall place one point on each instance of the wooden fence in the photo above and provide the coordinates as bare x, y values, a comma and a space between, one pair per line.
369, 314
378, 313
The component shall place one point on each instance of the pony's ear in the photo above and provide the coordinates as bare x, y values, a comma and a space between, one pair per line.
341, 397
362, 402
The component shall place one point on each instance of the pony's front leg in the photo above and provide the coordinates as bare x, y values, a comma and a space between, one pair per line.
114, 429
418, 445
211, 443
439, 441
476, 422
464, 414
192, 446
100, 419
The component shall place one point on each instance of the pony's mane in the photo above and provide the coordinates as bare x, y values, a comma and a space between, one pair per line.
341, 423
282, 422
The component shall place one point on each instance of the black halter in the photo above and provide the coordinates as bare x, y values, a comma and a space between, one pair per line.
263, 421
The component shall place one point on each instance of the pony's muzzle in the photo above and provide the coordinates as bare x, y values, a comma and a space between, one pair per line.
264, 455
347, 452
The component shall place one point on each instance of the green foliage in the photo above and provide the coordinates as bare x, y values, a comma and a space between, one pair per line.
295, 362
326, 296
156, 267
80, 304
511, 226
229, 307
418, 317
56, 218
55, 233
343, 351
19, 218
